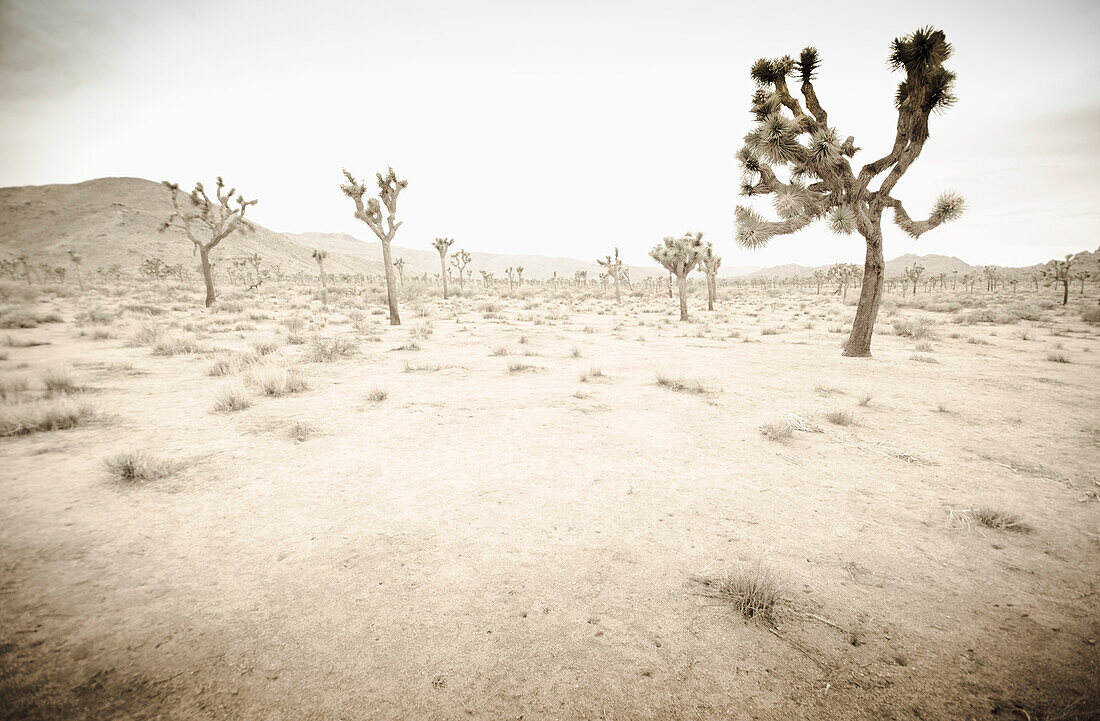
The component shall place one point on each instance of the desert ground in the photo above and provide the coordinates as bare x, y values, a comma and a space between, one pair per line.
536, 503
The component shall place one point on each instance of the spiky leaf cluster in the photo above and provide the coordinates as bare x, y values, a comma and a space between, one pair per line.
679, 255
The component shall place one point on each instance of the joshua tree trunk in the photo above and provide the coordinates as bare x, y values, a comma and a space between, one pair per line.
395, 316
859, 341
443, 275
681, 283
207, 275
711, 292
1065, 292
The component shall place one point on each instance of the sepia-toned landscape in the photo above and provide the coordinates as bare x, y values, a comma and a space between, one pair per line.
255, 474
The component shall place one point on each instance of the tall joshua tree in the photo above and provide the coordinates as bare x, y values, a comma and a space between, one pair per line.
442, 245
460, 260
822, 183
913, 275
819, 279
206, 222
77, 261
615, 270
389, 187
709, 263
319, 256
679, 256
1059, 271
400, 265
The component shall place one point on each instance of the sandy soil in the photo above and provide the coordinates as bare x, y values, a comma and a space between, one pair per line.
494, 544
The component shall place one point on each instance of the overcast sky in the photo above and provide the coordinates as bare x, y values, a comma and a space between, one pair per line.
559, 128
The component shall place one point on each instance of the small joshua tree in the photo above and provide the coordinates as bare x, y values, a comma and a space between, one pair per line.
614, 270
819, 279
254, 260
822, 183
913, 275
400, 265
389, 187
679, 256
460, 260
442, 245
77, 261
319, 256
1059, 271
709, 263
511, 273
207, 223
519, 274
843, 274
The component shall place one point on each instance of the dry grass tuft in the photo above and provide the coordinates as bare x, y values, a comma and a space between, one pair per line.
754, 591
20, 419
231, 398
138, 466
776, 430
683, 385
839, 417
378, 395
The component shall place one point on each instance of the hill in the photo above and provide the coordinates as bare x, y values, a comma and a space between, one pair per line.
115, 220
933, 265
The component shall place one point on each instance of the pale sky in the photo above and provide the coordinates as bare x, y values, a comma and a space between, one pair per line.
559, 128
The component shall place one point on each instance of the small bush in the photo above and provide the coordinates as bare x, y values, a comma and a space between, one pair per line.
865, 398
776, 430
231, 398
1000, 519
1057, 358
754, 591
923, 359
274, 380
324, 349
521, 367
378, 395
11, 389
59, 380
500, 351
265, 347
302, 432
178, 345
917, 330
839, 417
1092, 315
138, 466
21, 419
683, 385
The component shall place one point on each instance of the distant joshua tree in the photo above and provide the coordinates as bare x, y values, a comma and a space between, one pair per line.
319, 256
460, 260
819, 279
990, 274
442, 245
254, 260
389, 187
77, 261
615, 271
679, 256
214, 222
913, 275
709, 263
1059, 271
511, 273
519, 274
843, 274
400, 265
822, 182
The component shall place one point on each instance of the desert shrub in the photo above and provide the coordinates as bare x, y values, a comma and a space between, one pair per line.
999, 519
93, 316
138, 466
232, 397
378, 395
923, 359
1057, 358
683, 385
753, 591
145, 334
499, 351
521, 367
294, 324
18, 317
20, 419
1092, 315
865, 397
326, 349
275, 380
231, 364
265, 347
301, 431
12, 388
776, 430
59, 380
590, 373
839, 417
917, 330
178, 345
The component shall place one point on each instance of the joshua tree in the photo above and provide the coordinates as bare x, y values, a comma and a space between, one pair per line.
511, 273
913, 275
1059, 271
843, 274
319, 256
486, 278
389, 187
77, 261
679, 256
709, 263
254, 260
154, 268
822, 182
519, 273
460, 260
400, 265
819, 279
1081, 276
614, 269
213, 221
443, 245
954, 279
1013, 281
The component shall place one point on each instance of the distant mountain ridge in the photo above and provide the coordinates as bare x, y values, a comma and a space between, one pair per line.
116, 220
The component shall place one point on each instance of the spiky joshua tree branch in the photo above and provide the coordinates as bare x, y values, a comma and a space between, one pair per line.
821, 182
